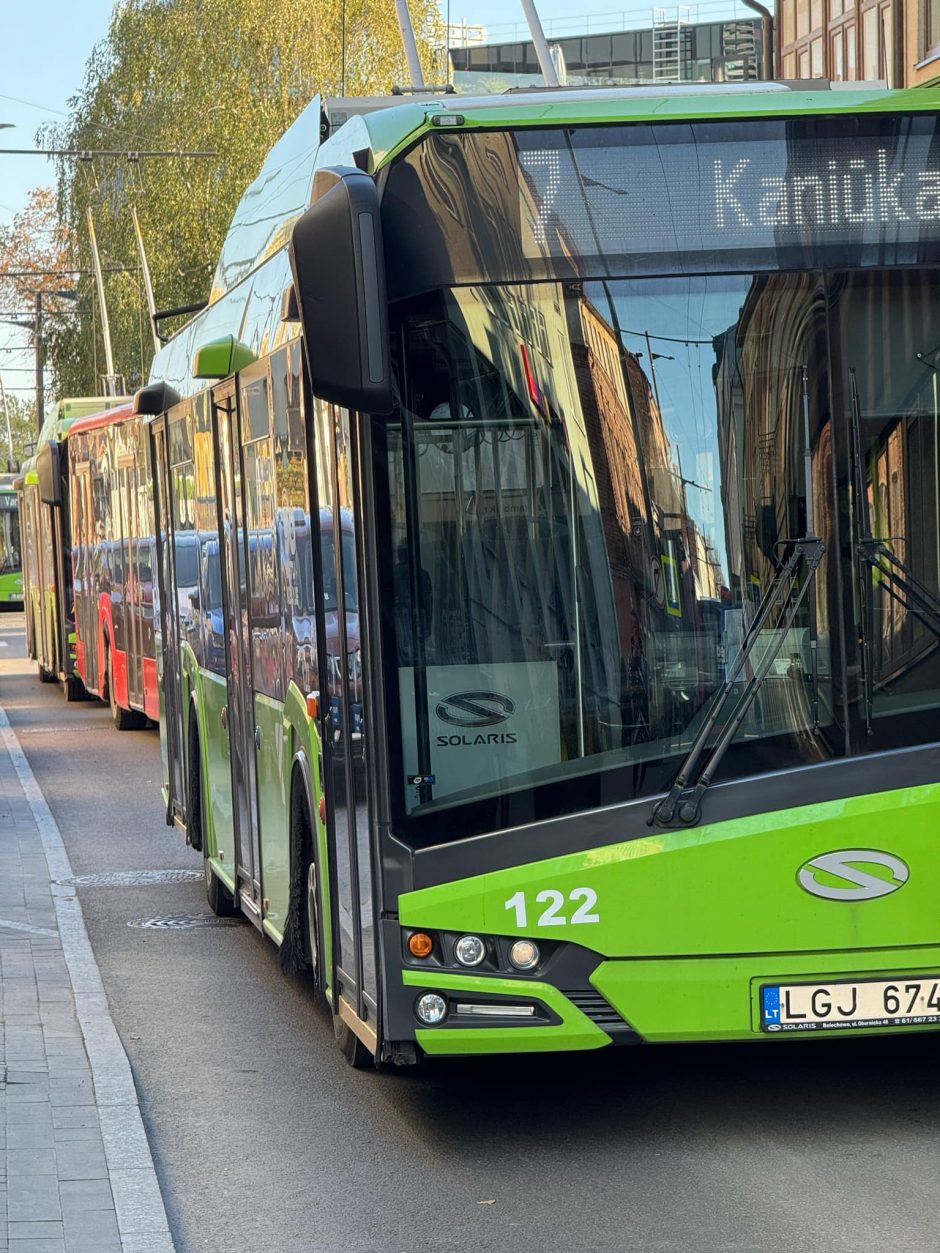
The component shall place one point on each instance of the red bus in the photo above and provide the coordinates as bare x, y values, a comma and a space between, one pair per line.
113, 561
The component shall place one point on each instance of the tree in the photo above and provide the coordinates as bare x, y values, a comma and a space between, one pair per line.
22, 418
226, 76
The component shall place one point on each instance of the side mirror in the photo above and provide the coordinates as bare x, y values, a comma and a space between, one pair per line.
48, 473
221, 357
338, 263
155, 398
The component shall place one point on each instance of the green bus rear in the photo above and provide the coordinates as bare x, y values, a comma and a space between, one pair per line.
11, 559
611, 712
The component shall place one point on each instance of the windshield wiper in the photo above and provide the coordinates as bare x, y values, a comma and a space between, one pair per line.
683, 804
875, 554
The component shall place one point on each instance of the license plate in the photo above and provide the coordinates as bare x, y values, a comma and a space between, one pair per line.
907, 1001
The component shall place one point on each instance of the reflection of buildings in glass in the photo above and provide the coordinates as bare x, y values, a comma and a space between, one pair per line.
884, 321
758, 380
666, 576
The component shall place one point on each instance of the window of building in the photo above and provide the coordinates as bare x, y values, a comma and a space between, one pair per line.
789, 65
930, 26
788, 17
816, 57
871, 45
850, 66
816, 14
837, 56
802, 18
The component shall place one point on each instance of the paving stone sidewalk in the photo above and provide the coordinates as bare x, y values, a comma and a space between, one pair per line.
76, 1171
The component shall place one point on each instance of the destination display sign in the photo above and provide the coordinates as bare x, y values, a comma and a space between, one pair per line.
842, 191
684, 197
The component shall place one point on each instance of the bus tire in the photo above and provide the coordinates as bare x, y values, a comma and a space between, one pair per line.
47, 676
123, 719
73, 689
351, 1047
301, 946
220, 899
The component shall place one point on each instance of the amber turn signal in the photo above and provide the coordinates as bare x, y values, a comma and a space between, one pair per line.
313, 704
420, 944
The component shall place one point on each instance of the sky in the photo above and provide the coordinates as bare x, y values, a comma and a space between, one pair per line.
46, 43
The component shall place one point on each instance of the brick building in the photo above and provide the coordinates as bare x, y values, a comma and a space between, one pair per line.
896, 41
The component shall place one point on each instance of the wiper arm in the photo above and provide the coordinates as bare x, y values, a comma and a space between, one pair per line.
683, 804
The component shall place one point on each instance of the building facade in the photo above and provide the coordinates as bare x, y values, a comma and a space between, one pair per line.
893, 41
673, 50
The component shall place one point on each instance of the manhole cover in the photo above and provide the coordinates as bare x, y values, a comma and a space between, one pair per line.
180, 922
130, 878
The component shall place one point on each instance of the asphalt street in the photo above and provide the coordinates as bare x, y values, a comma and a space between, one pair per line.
264, 1139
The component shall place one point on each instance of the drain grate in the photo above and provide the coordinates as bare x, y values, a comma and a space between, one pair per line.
181, 922
129, 878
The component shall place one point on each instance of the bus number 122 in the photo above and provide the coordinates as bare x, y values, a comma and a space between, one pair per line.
584, 898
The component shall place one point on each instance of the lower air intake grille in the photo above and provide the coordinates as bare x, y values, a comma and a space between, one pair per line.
595, 1007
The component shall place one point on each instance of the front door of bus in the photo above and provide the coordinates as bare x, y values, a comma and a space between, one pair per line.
345, 749
239, 712
166, 627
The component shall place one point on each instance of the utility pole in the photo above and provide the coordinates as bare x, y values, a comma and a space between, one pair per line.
6, 414
37, 336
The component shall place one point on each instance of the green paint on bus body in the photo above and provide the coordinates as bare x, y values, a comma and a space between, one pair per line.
11, 588
671, 914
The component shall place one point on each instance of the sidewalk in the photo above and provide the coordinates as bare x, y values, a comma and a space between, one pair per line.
76, 1172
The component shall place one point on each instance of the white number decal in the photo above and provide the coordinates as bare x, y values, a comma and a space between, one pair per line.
517, 903
555, 900
588, 897
550, 917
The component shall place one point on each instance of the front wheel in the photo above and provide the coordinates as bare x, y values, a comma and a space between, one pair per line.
47, 676
351, 1047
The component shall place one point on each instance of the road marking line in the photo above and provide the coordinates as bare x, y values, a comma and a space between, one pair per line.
138, 1201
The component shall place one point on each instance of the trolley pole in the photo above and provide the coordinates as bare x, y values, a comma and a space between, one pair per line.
145, 271
546, 64
37, 337
411, 48
110, 378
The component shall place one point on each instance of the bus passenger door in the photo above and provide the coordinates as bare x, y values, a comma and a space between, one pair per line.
166, 631
84, 592
239, 711
344, 748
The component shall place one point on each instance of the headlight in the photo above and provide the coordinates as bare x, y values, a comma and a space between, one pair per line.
524, 954
431, 1009
469, 950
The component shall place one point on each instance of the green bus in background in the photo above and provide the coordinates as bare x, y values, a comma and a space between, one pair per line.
42, 490
548, 558
11, 560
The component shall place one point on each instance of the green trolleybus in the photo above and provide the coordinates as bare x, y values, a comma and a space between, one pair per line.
47, 545
11, 560
549, 569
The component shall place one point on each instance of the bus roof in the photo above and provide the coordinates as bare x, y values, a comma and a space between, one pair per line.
108, 418
64, 412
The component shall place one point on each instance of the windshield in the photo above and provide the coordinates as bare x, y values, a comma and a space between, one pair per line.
591, 487
10, 559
